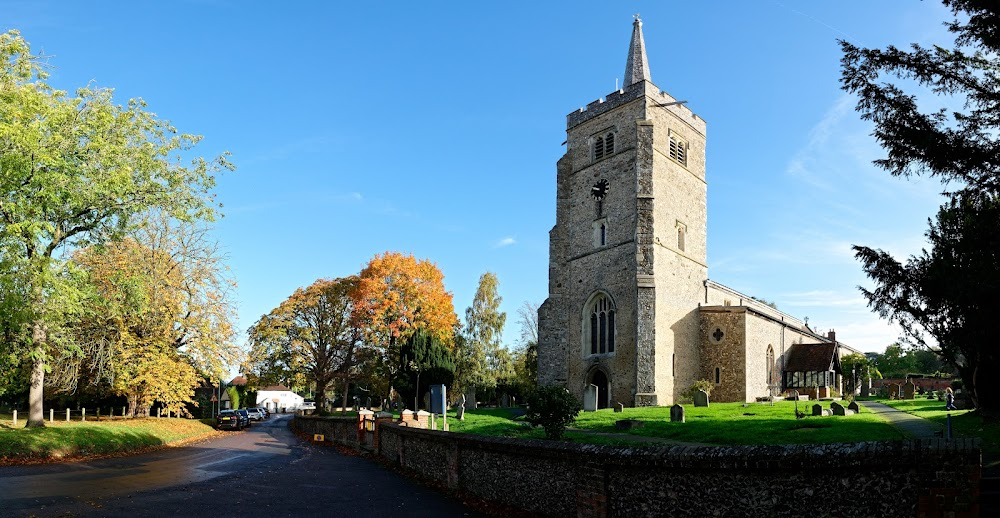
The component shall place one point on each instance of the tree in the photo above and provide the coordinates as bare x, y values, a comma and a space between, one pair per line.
526, 355
424, 361
938, 296
857, 368
78, 169
895, 362
553, 408
160, 313
397, 295
313, 332
481, 358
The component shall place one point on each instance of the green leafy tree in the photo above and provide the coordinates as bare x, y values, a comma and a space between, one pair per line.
857, 368
78, 169
482, 359
553, 408
424, 361
937, 296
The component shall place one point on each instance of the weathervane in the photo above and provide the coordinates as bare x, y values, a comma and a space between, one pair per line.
636, 16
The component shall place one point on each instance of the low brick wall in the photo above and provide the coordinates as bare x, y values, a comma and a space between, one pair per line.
902, 478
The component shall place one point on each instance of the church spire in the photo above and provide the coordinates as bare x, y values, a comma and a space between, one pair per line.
636, 68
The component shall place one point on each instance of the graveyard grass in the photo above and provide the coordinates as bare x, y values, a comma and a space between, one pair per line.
62, 440
718, 424
964, 423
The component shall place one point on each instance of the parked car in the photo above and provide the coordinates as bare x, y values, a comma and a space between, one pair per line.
264, 412
244, 417
229, 419
255, 414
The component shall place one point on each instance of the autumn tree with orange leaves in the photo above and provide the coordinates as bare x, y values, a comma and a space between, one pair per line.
311, 333
398, 294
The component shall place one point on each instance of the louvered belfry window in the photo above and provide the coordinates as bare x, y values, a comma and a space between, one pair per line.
678, 149
609, 144
599, 148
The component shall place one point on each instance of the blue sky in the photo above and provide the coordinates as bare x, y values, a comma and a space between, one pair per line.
433, 128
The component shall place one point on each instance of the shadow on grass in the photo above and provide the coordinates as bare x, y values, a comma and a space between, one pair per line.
59, 442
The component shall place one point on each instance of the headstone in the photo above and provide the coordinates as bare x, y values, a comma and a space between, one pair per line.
590, 398
439, 399
839, 409
893, 391
817, 409
504, 401
908, 389
700, 398
470, 400
676, 414
619, 407
866, 387
854, 407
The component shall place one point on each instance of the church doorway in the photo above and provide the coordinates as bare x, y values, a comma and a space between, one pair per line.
600, 379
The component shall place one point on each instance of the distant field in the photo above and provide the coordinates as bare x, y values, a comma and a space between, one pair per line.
720, 423
60, 440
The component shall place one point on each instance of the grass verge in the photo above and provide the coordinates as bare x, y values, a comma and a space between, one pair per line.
61, 440
720, 423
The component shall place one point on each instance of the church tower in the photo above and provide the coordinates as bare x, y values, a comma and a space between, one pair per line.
627, 260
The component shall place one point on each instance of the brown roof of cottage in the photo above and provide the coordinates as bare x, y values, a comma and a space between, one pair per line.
238, 380
275, 388
813, 358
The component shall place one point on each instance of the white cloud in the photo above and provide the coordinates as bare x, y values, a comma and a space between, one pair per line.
507, 241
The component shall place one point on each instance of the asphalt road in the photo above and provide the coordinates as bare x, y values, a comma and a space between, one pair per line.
263, 471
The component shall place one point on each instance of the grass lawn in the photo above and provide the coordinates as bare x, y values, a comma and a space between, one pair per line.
60, 439
964, 423
721, 423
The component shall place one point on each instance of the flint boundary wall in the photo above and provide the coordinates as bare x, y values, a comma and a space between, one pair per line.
899, 478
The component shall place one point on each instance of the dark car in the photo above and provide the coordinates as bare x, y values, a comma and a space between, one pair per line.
228, 419
244, 417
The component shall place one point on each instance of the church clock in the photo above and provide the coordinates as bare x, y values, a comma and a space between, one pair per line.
600, 189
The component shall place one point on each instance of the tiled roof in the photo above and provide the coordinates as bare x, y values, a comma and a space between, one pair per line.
275, 388
238, 380
812, 357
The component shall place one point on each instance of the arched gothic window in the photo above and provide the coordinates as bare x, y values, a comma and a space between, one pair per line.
600, 327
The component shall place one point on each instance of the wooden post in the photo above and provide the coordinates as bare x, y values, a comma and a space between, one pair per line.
52, 415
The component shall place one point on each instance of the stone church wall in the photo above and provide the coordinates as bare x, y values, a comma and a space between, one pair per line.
723, 335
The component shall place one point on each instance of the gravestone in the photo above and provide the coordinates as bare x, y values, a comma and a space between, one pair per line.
470, 400
908, 389
854, 407
817, 409
504, 401
676, 414
701, 398
460, 411
837, 408
619, 407
893, 391
590, 398
866, 387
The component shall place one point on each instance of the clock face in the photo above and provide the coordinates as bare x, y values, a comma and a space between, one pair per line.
600, 189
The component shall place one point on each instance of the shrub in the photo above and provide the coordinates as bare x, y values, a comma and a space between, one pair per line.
696, 386
552, 407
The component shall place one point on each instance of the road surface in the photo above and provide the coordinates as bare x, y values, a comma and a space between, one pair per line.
262, 471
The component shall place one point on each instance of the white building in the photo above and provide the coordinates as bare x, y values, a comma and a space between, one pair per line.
278, 398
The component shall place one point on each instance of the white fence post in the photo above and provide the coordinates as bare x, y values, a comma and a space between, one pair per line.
83, 414
15, 417
52, 415
67, 415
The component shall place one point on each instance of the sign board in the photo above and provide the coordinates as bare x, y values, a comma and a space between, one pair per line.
214, 399
439, 399
318, 438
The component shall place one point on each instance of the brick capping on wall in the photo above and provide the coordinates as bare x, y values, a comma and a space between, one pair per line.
897, 478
